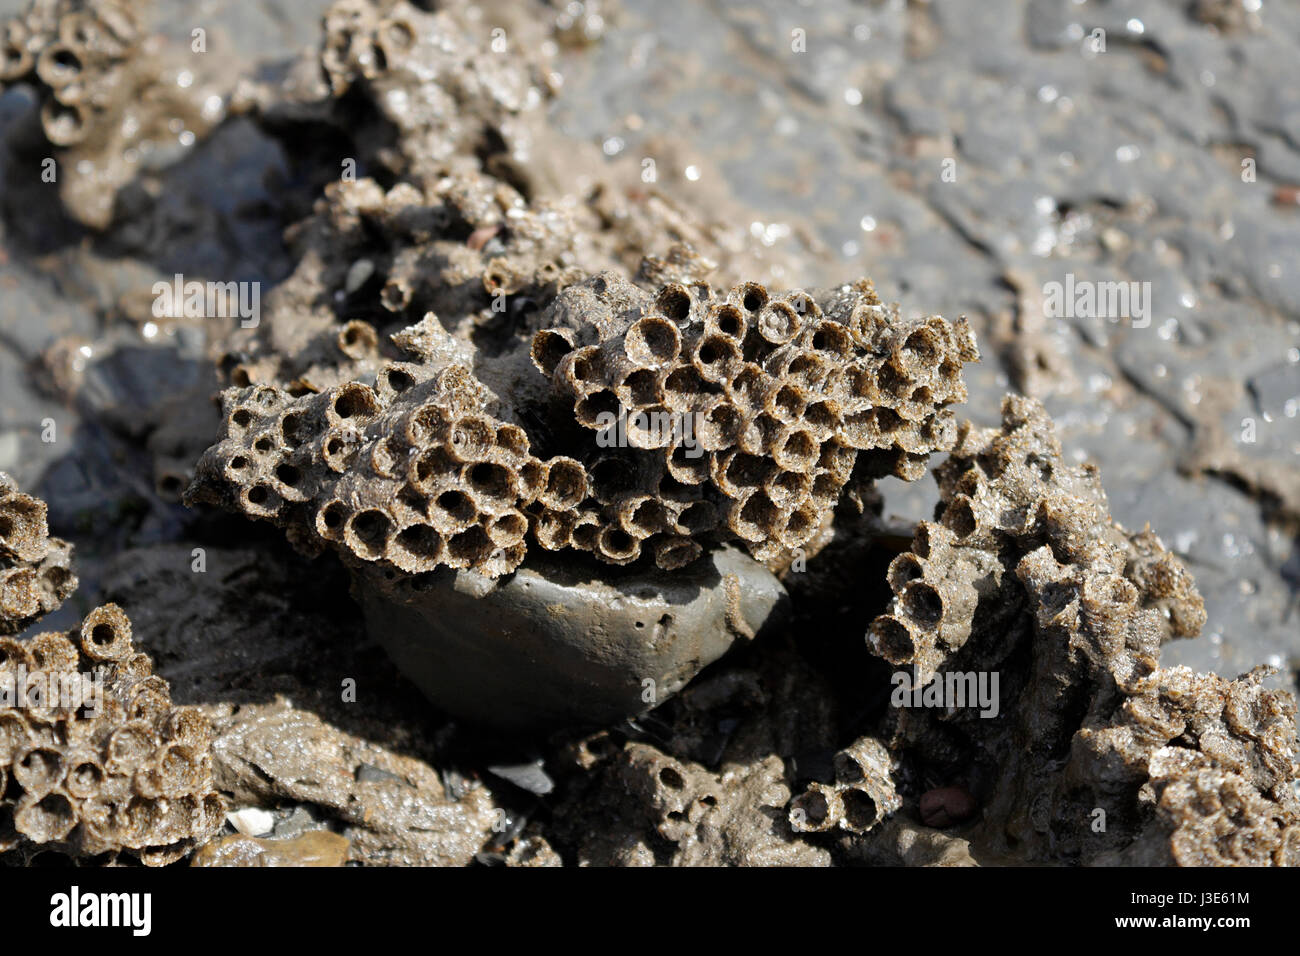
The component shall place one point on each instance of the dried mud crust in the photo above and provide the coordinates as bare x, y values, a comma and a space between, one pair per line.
35, 569
394, 810
708, 784
110, 96
125, 774
1025, 574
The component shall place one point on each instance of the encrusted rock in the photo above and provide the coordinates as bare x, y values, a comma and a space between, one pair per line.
108, 98
313, 848
35, 569
1098, 754
97, 759
861, 795
560, 643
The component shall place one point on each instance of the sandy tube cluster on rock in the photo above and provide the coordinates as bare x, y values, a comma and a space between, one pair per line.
35, 569
1003, 496
431, 389
752, 410
861, 795
1025, 573
759, 408
98, 761
390, 409
76, 51
107, 98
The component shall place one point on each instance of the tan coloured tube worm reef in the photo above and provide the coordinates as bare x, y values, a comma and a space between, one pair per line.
35, 569
96, 762
430, 395
565, 476
477, 421
115, 103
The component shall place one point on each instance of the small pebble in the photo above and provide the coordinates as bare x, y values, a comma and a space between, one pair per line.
946, 806
251, 821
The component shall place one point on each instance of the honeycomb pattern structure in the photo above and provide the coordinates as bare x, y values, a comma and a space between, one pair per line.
1024, 573
1006, 496
652, 425
746, 413
35, 569
861, 795
75, 52
95, 760
1212, 759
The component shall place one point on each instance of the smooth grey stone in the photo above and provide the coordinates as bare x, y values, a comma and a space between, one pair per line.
559, 643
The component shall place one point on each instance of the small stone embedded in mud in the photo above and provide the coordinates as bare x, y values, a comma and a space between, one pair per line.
313, 848
250, 821
946, 806
530, 776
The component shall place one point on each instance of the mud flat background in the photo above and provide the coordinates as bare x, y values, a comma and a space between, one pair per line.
823, 163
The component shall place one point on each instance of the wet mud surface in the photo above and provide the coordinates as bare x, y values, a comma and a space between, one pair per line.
964, 156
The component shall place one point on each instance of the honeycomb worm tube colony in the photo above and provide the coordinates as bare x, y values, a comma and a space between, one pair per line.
646, 428
654, 424
861, 795
1024, 573
106, 95
99, 762
35, 569
421, 427
469, 374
